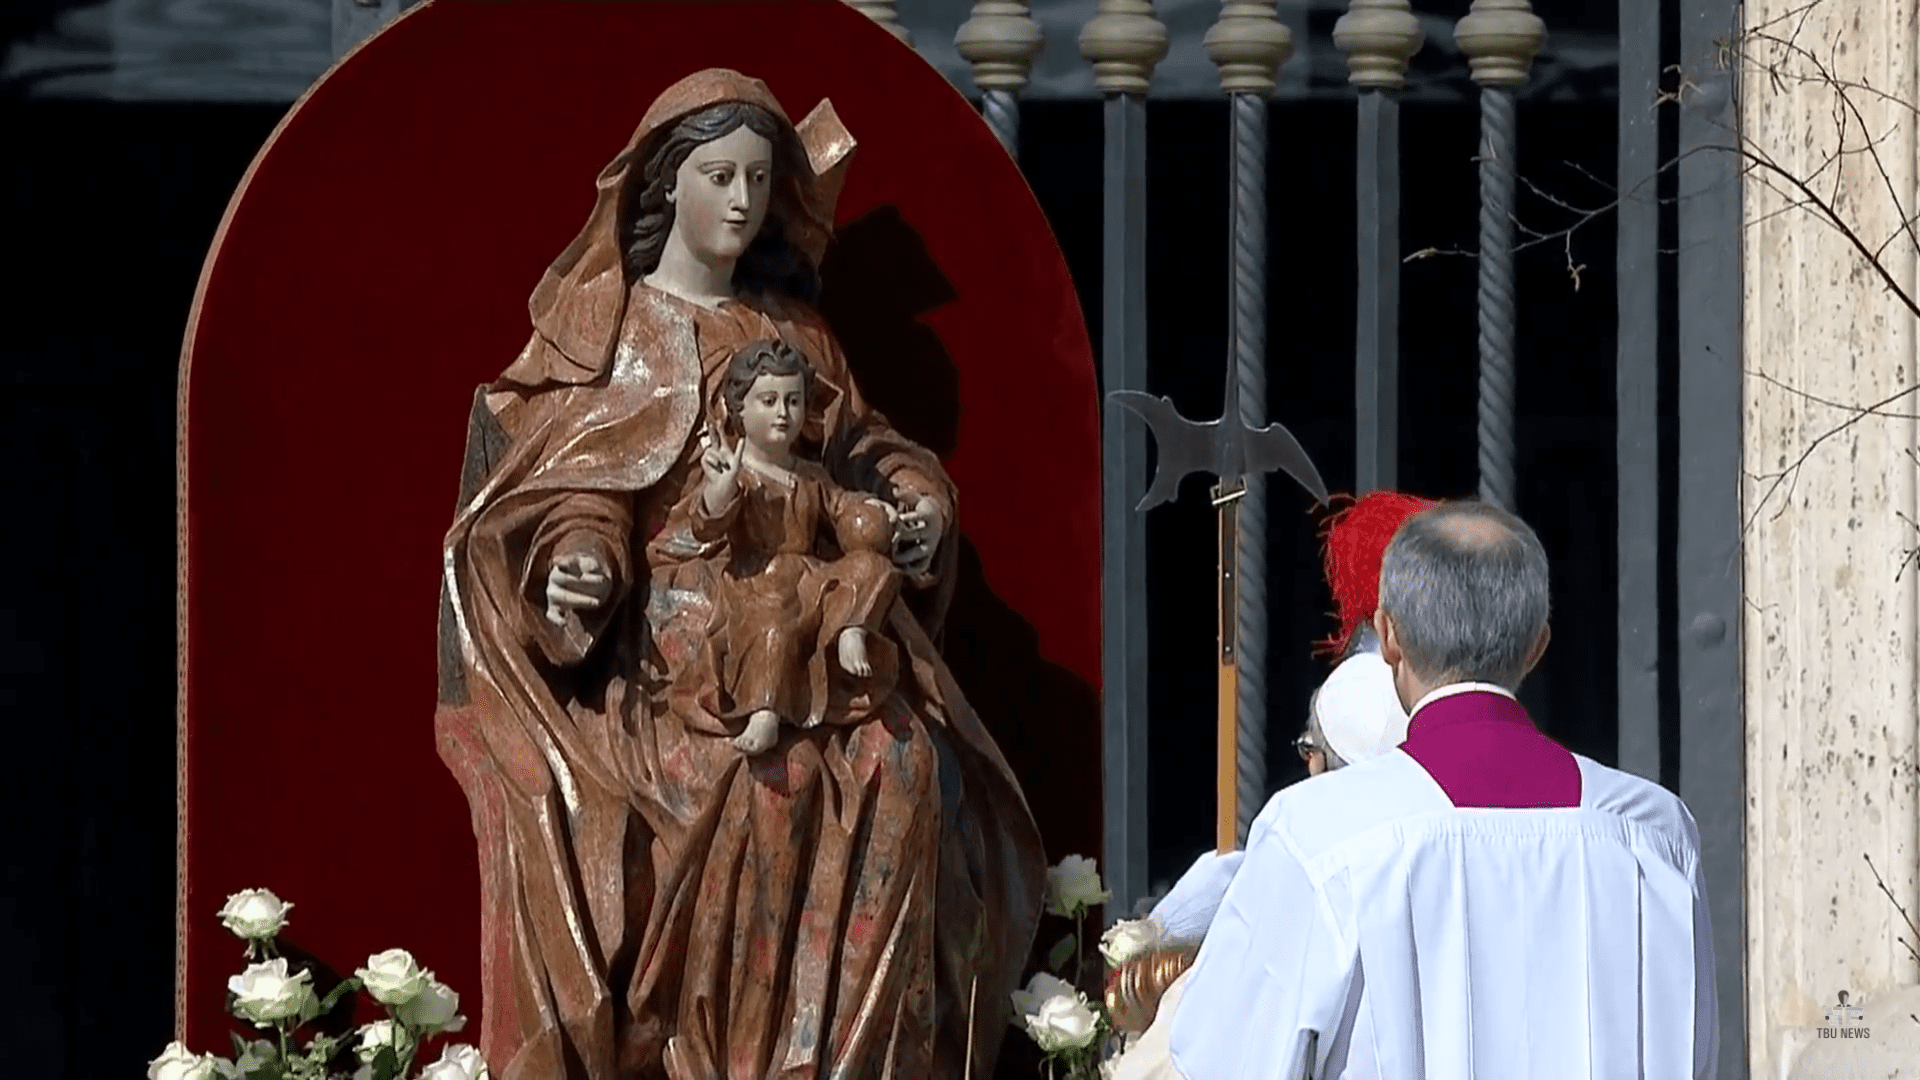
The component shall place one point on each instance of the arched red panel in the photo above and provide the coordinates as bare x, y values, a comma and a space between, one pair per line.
372, 270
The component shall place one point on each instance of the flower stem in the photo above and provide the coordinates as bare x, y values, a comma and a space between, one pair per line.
411, 1041
1078, 925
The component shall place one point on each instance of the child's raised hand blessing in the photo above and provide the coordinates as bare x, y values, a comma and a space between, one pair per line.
721, 464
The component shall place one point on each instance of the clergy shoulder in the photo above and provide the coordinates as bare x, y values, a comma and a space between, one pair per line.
1385, 796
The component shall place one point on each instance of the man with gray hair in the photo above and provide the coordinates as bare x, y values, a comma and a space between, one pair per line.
1479, 903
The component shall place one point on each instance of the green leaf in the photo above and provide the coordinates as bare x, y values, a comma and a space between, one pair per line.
1060, 954
239, 1046
334, 995
386, 1064
255, 1058
322, 1047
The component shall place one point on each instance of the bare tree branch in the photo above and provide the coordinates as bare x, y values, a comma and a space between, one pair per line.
1783, 52
1915, 931
1792, 472
1850, 407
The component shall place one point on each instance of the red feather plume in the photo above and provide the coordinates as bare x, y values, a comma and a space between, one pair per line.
1355, 543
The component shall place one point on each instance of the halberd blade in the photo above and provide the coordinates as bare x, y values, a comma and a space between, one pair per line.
1185, 446
1274, 447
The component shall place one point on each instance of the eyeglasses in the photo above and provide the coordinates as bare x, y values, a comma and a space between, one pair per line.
1306, 747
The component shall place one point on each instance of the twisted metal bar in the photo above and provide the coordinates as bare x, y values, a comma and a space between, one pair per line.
1249, 323
1498, 139
1002, 110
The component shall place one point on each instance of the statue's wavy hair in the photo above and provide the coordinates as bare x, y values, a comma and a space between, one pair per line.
771, 357
772, 265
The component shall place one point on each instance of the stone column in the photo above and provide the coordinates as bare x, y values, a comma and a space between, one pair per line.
1832, 624
354, 21
1124, 42
883, 12
1000, 41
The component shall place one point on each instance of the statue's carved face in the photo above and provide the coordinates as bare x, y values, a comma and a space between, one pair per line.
771, 415
720, 194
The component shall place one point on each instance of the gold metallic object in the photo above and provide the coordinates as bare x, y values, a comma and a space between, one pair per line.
1134, 990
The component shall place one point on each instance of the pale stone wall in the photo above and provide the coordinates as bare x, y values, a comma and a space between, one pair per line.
1830, 624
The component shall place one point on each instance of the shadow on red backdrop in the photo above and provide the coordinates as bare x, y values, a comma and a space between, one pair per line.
375, 267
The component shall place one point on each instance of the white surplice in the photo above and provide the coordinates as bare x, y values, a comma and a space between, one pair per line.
1376, 927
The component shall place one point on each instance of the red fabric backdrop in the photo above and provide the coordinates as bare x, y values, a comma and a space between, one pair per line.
372, 270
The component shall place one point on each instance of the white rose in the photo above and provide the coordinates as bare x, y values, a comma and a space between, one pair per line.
265, 993
1129, 938
1074, 886
176, 1062
208, 1068
376, 1035
432, 1009
393, 978
1039, 988
1064, 1023
255, 914
1055, 1014
173, 1062
459, 1062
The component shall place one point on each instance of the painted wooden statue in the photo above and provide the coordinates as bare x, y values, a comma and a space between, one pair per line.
793, 621
674, 885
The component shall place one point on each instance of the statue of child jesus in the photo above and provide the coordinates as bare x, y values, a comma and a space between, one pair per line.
786, 602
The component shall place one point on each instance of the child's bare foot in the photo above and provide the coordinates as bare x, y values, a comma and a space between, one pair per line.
853, 652
763, 730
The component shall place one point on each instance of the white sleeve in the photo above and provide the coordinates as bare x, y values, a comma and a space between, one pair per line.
1706, 986
1188, 909
1270, 974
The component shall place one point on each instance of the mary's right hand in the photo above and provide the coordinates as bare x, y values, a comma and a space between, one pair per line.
576, 583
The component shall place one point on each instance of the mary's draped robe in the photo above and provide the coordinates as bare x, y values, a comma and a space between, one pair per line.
656, 904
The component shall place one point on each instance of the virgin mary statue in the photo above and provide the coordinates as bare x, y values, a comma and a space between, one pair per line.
857, 901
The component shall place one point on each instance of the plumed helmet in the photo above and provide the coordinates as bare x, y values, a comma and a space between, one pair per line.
1355, 544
